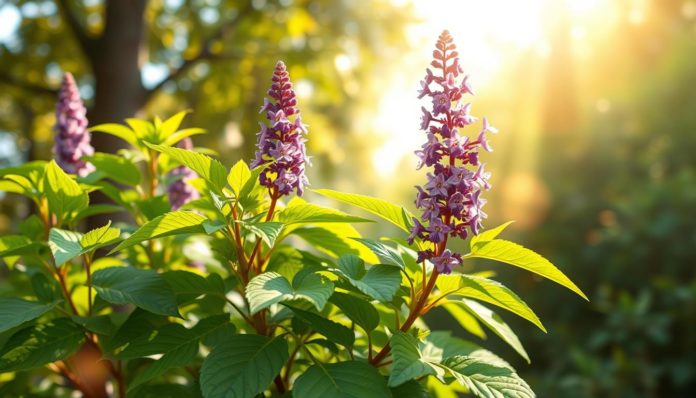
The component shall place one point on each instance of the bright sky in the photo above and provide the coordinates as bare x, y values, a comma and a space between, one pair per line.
488, 34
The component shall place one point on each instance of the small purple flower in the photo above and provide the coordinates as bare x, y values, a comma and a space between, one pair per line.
441, 103
437, 184
426, 118
280, 143
456, 203
437, 230
446, 261
450, 202
72, 141
416, 232
431, 151
180, 191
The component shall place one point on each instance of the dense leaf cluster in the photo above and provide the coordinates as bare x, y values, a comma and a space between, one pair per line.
238, 293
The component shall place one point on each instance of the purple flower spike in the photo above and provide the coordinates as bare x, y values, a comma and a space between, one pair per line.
180, 191
281, 143
450, 202
72, 140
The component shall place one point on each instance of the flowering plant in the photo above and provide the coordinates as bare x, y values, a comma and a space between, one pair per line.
205, 293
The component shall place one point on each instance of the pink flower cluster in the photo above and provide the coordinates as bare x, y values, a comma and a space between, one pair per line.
281, 143
72, 141
450, 201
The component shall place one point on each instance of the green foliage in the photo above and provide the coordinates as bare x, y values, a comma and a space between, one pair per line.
514, 254
206, 167
242, 366
143, 288
216, 298
173, 223
379, 281
64, 196
41, 344
344, 379
66, 245
388, 211
14, 312
270, 288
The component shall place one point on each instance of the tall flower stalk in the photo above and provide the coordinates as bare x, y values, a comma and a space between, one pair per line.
450, 202
280, 147
72, 141
281, 142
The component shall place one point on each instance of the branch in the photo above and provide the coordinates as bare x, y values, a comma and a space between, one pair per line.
6, 78
205, 51
86, 42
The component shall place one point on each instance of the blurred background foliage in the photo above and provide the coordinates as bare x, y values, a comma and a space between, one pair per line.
596, 160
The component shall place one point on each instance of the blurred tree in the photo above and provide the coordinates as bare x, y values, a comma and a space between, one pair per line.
214, 56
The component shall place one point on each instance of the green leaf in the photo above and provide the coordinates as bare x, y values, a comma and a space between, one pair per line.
386, 253
238, 177
143, 129
138, 324
489, 291
331, 330
359, 311
388, 211
181, 348
41, 344
519, 256
306, 213
410, 389
243, 366
270, 288
330, 242
183, 133
17, 245
15, 311
379, 281
266, 230
171, 125
117, 130
114, 167
143, 288
497, 325
489, 234
189, 286
350, 379
465, 319
46, 290
410, 362
63, 194
487, 380
99, 237
173, 223
65, 245
100, 324
206, 167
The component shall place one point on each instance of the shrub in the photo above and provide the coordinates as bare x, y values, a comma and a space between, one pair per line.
210, 292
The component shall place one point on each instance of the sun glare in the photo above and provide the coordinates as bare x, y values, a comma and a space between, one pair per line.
489, 34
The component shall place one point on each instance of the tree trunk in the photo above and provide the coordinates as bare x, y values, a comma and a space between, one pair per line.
119, 92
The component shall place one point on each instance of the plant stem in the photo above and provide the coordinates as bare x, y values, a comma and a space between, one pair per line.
412, 316
153, 173
269, 216
60, 274
88, 270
